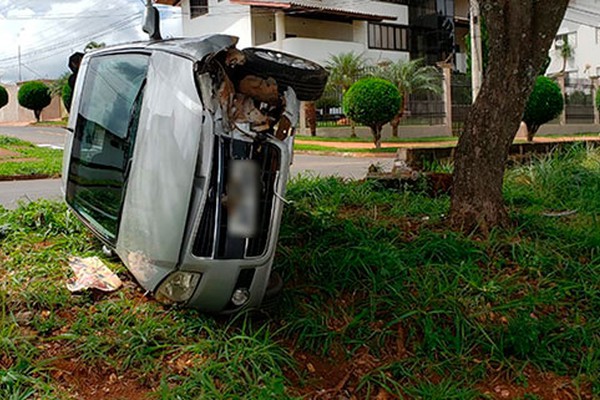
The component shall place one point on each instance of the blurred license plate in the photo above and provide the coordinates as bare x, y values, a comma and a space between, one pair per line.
242, 198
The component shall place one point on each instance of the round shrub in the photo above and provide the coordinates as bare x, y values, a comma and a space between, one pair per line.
34, 95
545, 103
372, 102
3, 97
67, 95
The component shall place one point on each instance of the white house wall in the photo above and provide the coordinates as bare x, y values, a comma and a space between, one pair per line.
223, 17
582, 24
264, 28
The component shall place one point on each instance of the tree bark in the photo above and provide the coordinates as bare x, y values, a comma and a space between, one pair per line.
311, 117
352, 128
376, 131
395, 122
37, 114
520, 35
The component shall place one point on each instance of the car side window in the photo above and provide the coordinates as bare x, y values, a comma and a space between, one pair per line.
104, 138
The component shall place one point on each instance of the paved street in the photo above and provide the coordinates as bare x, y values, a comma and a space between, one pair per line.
39, 135
12, 192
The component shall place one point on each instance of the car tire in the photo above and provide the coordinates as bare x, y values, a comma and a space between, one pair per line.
307, 78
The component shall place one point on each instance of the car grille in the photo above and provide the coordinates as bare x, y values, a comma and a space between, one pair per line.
212, 239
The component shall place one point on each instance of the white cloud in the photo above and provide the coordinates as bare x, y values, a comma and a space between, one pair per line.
49, 31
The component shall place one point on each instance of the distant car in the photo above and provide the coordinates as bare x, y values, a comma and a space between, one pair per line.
178, 157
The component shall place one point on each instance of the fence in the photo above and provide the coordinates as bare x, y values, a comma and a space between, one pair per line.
426, 109
579, 101
420, 109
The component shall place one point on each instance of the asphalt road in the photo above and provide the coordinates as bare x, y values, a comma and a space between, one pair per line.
39, 135
13, 192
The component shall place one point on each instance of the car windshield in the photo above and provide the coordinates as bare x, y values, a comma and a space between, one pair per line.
103, 138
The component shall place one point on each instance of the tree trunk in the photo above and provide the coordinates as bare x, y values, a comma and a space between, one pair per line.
311, 117
520, 35
376, 131
352, 128
37, 114
395, 122
531, 131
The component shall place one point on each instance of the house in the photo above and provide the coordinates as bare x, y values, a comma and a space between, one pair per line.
312, 29
438, 31
581, 30
384, 30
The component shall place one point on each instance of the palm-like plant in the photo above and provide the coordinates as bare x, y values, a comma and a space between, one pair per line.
345, 69
411, 77
566, 53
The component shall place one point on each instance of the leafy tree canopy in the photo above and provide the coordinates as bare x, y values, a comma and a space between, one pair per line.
34, 95
545, 103
3, 96
372, 102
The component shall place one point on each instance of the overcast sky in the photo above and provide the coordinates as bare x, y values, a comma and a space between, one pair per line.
48, 31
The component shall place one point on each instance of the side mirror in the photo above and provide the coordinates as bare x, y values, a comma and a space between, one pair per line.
152, 21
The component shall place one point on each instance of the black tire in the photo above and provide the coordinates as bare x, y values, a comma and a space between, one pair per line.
307, 78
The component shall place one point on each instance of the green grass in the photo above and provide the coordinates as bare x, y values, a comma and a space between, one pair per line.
28, 159
60, 123
379, 296
386, 140
317, 147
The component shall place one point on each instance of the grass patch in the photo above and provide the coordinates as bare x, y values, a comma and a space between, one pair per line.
59, 123
18, 158
380, 298
317, 147
386, 140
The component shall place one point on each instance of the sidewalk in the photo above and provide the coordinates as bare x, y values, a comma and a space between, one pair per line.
411, 145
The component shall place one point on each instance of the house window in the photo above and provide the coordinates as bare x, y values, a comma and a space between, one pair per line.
198, 8
388, 37
570, 38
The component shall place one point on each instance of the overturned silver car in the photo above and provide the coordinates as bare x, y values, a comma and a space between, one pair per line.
178, 157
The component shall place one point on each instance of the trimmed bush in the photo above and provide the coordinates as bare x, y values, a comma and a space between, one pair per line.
545, 103
372, 102
67, 96
598, 99
3, 97
34, 95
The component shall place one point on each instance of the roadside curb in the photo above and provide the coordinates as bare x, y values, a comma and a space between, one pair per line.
344, 154
31, 177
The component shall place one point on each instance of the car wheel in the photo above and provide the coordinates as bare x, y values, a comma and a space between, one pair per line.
308, 79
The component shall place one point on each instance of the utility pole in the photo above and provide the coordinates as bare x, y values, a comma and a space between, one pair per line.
476, 51
19, 54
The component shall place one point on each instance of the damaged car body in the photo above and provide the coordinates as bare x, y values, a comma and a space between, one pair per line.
178, 158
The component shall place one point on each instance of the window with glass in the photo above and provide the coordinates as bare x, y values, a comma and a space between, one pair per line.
388, 37
198, 8
104, 136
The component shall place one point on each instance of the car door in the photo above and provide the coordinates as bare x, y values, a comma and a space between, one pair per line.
103, 139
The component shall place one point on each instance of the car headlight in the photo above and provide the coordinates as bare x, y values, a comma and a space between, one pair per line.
177, 288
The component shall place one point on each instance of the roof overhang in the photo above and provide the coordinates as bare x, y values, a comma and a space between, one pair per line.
168, 2
316, 8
